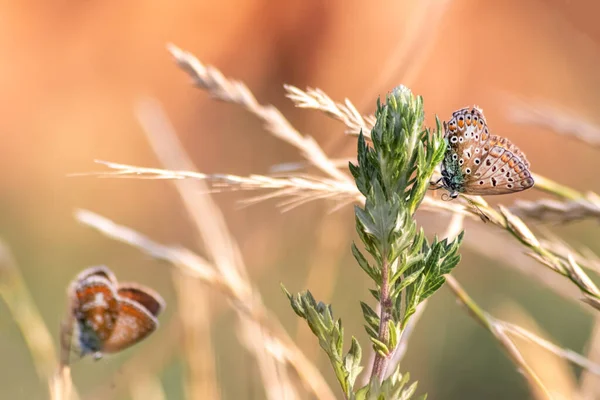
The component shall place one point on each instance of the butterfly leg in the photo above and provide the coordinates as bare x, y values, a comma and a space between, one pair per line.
436, 185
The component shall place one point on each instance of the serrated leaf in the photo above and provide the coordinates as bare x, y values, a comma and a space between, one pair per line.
352, 362
432, 287
373, 273
368, 226
409, 280
433, 258
370, 331
449, 264
370, 315
308, 299
315, 323
410, 266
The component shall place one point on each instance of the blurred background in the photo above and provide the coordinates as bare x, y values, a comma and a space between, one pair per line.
71, 73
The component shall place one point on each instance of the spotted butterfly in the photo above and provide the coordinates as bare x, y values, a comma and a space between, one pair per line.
478, 163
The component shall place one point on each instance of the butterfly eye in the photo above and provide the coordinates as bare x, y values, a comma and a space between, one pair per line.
468, 171
477, 161
461, 161
460, 140
476, 149
448, 147
454, 139
509, 186
454, 156
481, 182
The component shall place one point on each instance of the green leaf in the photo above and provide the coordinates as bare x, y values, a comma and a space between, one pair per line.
367, 223
432, 287
352, 362
409, 280
374, 273
362, 393
449, 264
393, 331
380, 347
315, 323
370, 331
370, 316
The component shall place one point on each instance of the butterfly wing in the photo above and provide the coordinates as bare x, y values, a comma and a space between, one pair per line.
504, 169
466, 133
487, 164
100, 270
95, 308
148, 298
133, 325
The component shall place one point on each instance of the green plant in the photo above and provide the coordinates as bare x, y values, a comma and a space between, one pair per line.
393, 175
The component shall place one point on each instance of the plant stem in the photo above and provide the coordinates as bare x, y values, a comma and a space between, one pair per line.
381, 361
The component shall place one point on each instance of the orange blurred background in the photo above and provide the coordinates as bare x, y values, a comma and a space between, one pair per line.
72, 71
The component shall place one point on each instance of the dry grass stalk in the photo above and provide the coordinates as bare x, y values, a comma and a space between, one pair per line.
15, 294
590, 383
550, 210
61, 384
567, 354
195, 266
213, 81
319, 100
497, 330
224, 253
296, 189
201, 381
544, 115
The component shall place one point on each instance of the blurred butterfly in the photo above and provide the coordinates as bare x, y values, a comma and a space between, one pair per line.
478, 163
110, 317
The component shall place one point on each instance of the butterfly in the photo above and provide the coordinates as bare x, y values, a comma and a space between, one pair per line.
478, 163
110, 317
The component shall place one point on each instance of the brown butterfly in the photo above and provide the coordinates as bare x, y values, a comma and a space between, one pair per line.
109, 316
